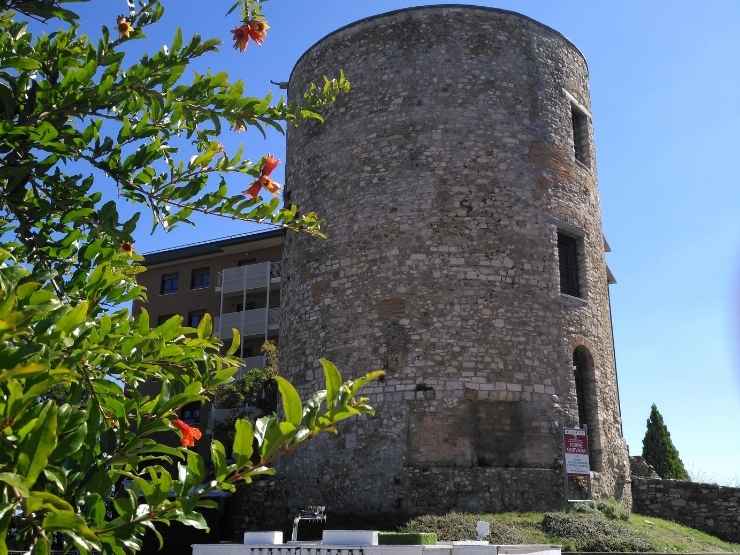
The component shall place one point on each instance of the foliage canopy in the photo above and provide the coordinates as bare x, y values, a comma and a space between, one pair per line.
87, 459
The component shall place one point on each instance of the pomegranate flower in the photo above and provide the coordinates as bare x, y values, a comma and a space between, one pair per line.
269, 164
241, 37
189, 434
124, 27
255, 29
258, 30
262, 181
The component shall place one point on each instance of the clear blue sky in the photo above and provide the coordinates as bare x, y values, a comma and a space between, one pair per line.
666, 103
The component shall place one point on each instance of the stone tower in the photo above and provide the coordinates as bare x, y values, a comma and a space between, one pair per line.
465, 257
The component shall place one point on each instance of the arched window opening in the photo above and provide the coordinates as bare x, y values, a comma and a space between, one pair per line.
583, 368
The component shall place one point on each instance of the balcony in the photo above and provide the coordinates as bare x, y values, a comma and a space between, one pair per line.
251, 362
250, 276
248, 322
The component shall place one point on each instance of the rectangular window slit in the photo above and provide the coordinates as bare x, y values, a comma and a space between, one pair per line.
568, 256
581, 143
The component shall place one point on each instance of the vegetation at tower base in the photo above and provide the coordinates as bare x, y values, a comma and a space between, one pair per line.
86, 460
659, 451
575, 531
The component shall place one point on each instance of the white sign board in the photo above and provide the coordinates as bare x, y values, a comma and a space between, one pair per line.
575, 442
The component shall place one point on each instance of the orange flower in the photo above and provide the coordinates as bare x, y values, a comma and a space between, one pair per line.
258, 30
241, 37
262, 181
269, 164
270, 185
124, 27
128, 248
190, 434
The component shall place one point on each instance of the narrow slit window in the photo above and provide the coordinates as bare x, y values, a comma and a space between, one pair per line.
581, 143
568, 258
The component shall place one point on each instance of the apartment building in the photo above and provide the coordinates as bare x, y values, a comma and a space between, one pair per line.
235, 279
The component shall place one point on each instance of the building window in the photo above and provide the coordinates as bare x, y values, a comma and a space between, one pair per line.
169, 284
194, 317
585, 376
200, 278
568, 258
581, 143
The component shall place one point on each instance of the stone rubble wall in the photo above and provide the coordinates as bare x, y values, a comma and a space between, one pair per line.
641, 468
444, 177
708, 507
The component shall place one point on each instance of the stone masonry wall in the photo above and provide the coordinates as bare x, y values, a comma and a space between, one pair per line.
444, 177
708, 507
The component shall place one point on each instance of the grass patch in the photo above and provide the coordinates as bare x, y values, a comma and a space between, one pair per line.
574, 531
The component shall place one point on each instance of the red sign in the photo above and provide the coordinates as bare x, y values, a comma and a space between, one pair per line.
575, 441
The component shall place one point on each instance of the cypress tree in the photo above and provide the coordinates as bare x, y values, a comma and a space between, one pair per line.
659, 451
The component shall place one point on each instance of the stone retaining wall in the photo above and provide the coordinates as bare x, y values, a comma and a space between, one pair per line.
708, 507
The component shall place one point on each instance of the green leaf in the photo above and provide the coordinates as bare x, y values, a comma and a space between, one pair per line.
235, 341
38, 445
43, 500
205, 327
15, 481
73, 525
333, 382
23, 371
41, 547
218, 458
196, 467
292, 405
177, 41
243, 439
149, 524
364, 380
22, 63
73, 318
196, 520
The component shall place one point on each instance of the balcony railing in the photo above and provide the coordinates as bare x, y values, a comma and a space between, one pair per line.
248, 322
252, 362
250, 276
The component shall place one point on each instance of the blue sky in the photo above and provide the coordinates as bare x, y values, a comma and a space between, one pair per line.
666, 103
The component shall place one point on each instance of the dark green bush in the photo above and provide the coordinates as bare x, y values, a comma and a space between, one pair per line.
461, 526
407, 538
582, 532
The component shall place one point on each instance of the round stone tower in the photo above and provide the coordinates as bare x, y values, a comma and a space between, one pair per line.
465, 257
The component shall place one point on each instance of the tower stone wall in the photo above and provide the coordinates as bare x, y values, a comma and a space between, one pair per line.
444, 178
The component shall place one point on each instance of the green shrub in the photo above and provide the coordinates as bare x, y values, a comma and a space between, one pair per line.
610, 508
461, 526
613, 509
407, 538
592, 533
